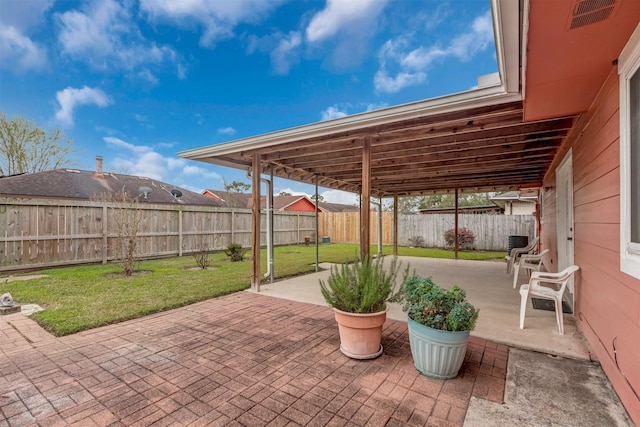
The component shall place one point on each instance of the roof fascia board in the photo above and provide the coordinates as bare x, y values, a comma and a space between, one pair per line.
506, 22
506, 28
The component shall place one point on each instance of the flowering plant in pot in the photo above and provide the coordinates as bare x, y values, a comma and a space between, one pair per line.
439, 321
359, 293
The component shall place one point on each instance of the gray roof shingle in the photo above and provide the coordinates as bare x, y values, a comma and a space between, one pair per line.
87, 185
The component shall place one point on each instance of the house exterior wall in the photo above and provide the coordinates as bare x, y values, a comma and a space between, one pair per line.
301, 205
607, 301
520, 208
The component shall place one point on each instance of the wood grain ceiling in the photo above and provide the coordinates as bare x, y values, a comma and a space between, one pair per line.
481, 149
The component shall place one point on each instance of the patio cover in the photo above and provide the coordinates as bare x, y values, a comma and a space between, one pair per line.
472, 141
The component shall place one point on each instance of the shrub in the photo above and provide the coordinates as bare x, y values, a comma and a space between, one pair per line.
428, 304
235, 252
362, 287
465, 238
201, 255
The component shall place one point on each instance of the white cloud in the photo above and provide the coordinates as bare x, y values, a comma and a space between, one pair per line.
410, 66
385, 83
18, 52
337, 196
144, 160
332, 113
71, 97
119, 143
176, 162
347, 26
227, 131
283, 49
149, 164
290, 191
376, 106
191, 170
217, 18
285, 54
340, 15
104, 35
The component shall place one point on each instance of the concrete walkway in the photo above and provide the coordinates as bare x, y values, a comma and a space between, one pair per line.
488, 287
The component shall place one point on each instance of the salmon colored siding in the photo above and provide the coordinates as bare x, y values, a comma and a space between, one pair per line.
301, 205
607, 301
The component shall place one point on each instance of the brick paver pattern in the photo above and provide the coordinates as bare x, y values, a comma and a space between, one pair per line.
243, 359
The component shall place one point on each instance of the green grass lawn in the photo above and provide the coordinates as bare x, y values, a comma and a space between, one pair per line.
79, 298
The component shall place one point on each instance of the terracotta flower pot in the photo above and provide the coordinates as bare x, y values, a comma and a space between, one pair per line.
360, 334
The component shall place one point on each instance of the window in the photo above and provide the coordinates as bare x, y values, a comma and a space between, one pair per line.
629, 69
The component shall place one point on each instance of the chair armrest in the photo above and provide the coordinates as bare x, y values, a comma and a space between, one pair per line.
559, 277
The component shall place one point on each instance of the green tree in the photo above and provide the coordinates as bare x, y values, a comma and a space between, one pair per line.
320, 197
284, 193
448, 200
406, 205
237, 187
26, 148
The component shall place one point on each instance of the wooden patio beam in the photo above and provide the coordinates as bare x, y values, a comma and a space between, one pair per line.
365, 207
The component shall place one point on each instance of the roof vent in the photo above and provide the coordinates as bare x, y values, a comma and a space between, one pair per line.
587, 12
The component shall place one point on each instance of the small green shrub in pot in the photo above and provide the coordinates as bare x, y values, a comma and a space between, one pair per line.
439, 323
361, 287
359, 293
430, 305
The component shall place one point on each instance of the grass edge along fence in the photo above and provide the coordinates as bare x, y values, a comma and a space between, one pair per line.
36, 233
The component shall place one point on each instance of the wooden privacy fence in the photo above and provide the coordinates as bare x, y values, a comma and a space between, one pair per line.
45, 232
491, 231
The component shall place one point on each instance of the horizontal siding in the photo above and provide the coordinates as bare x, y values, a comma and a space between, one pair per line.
600, 211
607, 300
605, 186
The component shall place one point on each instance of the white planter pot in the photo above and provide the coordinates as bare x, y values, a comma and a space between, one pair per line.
437, 353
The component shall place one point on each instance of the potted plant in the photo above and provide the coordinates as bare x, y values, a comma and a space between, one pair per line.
439, 321
359, 293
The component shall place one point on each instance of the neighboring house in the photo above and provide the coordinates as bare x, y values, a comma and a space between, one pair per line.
574, 68
490, 209
337, 207
229, 199
280, 203
517, 202
97, 185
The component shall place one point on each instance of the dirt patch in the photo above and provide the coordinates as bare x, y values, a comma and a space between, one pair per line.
123, 276
198, 268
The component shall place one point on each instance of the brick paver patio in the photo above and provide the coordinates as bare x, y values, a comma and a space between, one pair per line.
243, 359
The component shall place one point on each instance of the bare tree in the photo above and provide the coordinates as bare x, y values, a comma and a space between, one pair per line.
124, 221
24, 147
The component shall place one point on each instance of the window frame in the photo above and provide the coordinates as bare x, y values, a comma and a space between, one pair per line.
628, 67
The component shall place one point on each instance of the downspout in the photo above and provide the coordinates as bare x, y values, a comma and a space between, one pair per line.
269, 198
379, 226
317, 237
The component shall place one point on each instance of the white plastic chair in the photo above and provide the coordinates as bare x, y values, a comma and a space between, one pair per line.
515, 254
548, 286
528, 262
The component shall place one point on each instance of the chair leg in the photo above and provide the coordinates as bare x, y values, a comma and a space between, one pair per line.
516, 271
524, 297
559, 315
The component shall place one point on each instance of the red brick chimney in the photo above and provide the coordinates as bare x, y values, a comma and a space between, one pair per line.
99, 173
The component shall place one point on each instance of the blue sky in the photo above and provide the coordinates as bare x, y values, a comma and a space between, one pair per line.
138, 81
